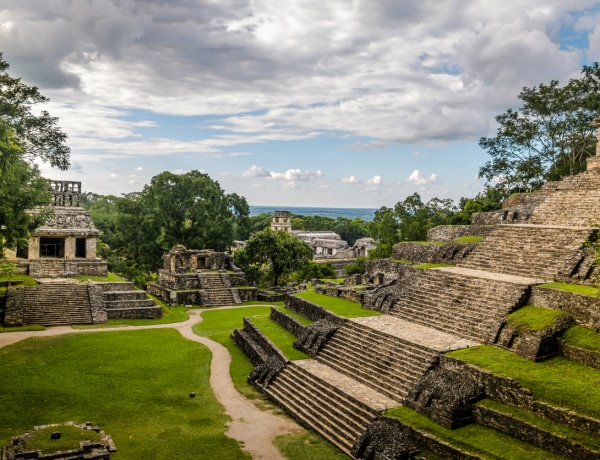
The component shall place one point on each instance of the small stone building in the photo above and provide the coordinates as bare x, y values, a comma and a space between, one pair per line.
66, 244
202, 277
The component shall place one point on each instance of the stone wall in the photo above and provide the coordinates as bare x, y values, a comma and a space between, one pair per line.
96, 293
134, 313
581, 355
292, 325
448, 233
449, 253
517, 208
341, 291
531, 434
311, 310
510, 392
14, 307
387, 268
584, 309
247, 293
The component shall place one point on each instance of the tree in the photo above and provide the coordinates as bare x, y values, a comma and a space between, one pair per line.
384, 230
548, 137
350, 230
277, 253
21, 188
37, 135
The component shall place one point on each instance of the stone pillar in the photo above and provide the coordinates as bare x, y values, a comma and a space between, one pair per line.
70, 247
596, 124
90, 248
34, 247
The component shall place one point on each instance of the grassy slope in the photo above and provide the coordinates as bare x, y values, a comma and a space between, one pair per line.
546, 379
134, 385
340, 307
279, 336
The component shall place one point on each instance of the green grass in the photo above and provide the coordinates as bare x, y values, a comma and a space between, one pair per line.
170, 315
70, 439
217, 326
593, 442
428, 266
557, 381
468, 239
279, 303
475, 439
402, 261
279, 336
135, 385
577, 288
301, 319
582, 337
439, 243
110, 277
22, 328
27, 280
533, 318
300, 446
341, 307
334, 280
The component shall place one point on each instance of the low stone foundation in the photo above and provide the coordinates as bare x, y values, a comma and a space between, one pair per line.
584, 309
311, 310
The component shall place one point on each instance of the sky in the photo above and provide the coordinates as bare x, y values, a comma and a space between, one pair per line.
338, 103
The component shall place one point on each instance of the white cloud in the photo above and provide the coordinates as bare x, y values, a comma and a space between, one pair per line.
417, 177
367, 146
256, 171
139, 168
296, 174
375, 180
350, 180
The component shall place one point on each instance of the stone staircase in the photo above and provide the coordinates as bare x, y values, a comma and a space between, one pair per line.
575, 200
543, 252
467, 303
56, 304
47, 268
218, 289
335, 406
388, 364
123, 295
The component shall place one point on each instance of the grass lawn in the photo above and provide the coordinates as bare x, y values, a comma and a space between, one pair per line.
110, 277
279, 336
301, 319
577, 288
27, 280
340, 307
427, 266
300, 446
534, 318
217, 326
468, 239
583, 338
475, 439
135, 385
279, 303
546, 379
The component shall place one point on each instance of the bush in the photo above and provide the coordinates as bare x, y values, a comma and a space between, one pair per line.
357, 267
316, 270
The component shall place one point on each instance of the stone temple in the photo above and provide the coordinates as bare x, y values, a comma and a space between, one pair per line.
63, 248
432, 353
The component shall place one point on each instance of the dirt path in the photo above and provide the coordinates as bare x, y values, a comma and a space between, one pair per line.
255, 428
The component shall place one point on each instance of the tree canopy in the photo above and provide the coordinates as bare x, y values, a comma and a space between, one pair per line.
548, 137
274, 253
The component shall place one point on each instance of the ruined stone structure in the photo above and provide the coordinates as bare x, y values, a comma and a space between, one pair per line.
282, 220
202, 277
62, 248
98, 448
360, 367
66, 244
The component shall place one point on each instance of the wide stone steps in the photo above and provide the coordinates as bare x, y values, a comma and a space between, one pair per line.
456, 303
541, 252
572, 201
56, 305
335, 415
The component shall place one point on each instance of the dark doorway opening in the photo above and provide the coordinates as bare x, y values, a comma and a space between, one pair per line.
52, 247
80, 248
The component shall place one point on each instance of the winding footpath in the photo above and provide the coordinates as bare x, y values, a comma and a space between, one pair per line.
256, 429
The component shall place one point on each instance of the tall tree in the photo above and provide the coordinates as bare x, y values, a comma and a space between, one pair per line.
21, 188
277, 253
38, 135
548, 137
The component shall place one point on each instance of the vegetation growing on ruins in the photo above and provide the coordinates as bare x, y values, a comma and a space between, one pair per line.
534, 318
544, 379
145, 405
576, 288
279, 336
582, 337
341, 307
427, 266
70, 438
473, 438
468, 239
